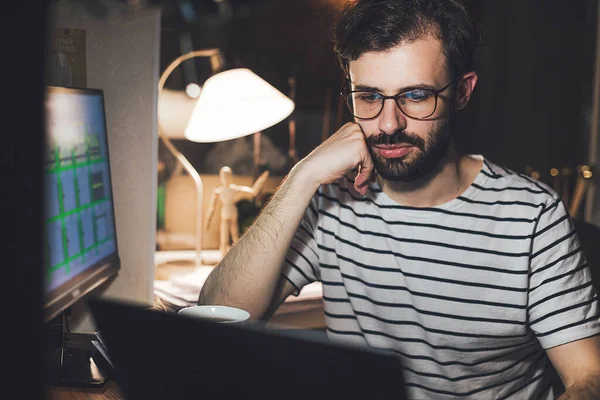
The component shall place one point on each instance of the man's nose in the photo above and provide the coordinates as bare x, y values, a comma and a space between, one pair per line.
391, 118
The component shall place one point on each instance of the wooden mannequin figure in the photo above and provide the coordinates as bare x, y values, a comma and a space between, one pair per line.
228, 194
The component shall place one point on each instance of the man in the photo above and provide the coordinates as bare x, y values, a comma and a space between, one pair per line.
470, 272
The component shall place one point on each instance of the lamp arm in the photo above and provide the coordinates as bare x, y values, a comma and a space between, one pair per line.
216, 61
199, 195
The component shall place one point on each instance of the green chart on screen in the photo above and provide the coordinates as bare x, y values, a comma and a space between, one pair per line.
79, 215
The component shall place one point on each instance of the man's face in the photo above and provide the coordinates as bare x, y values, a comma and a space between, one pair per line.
405, 149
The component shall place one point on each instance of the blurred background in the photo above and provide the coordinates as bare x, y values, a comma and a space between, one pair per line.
534, 109
531, 110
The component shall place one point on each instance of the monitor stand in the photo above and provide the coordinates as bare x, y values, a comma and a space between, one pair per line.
70, 358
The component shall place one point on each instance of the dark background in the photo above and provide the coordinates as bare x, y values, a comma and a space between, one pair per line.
22, 29
531, 106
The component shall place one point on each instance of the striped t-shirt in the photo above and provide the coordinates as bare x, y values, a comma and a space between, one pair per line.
468, 293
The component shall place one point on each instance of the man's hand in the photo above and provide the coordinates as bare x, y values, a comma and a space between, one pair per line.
344, 151
249, 275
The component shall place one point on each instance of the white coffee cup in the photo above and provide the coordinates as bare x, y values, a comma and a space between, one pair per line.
221, 314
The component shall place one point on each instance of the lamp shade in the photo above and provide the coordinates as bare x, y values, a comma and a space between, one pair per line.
175, 108
236, 103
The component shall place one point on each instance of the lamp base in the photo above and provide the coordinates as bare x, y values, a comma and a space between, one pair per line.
185, 260
172, 267
181, 263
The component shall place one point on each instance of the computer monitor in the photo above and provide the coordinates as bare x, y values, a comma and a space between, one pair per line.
160, 355
80, 250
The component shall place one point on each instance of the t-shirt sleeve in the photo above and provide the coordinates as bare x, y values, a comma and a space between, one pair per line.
562, 303
302, 260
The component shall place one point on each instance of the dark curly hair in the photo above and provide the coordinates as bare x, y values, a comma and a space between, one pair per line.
380, 25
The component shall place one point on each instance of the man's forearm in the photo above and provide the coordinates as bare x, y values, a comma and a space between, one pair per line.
248, 274
586, 389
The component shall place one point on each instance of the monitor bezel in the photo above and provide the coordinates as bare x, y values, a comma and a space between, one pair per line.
62, 297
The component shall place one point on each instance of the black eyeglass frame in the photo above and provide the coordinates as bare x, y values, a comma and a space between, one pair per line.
345, 93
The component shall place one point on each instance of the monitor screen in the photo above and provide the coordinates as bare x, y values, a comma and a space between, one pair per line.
81, 245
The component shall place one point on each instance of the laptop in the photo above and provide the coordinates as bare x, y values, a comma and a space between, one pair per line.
163, 355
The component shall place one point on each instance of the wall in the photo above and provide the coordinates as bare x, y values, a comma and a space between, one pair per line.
593, 197
180, 210
123, 60
533, 101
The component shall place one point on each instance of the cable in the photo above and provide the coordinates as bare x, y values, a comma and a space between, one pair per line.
66, 313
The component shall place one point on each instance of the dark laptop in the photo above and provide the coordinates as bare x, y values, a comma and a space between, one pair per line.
160, 355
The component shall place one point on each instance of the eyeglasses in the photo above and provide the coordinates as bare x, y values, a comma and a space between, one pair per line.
414, 103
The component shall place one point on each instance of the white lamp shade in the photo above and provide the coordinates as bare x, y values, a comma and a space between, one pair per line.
236, 103
175, 108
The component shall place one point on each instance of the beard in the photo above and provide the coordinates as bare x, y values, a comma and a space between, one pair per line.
419, 162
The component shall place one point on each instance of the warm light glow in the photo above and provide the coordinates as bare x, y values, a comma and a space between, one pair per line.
96, 374
587, 174
174, 111
336, 3
236, 103
193, 90
65, 122
554, 172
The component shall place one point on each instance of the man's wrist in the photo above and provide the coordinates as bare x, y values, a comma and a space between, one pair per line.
302, 175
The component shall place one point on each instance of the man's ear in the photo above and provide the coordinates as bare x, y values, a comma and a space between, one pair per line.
464, 89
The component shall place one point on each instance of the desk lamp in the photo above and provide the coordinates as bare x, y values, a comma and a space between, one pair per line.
232, 104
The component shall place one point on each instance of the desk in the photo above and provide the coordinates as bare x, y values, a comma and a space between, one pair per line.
110, 391
177, 287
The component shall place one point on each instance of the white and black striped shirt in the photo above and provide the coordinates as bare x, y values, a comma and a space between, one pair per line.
468, 293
